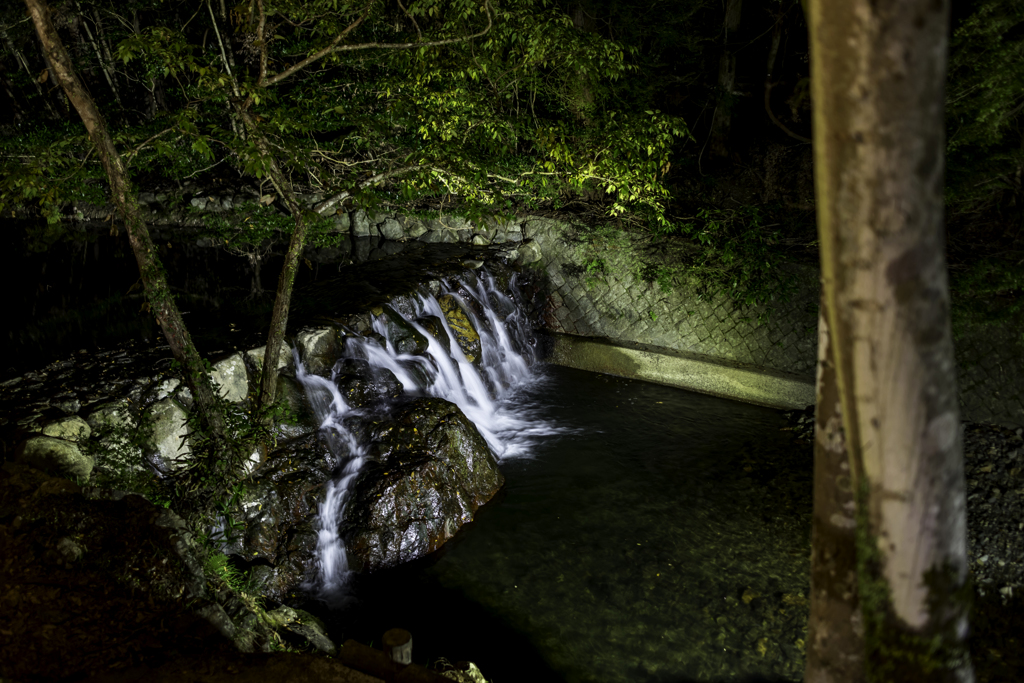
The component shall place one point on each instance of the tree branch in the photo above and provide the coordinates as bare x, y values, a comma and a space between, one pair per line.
333, 201
334, 47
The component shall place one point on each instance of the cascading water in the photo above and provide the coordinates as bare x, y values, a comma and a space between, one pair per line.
506, 362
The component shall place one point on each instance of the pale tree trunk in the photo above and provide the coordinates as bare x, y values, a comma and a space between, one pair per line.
158, 293
835, 647
722, 121
878, 68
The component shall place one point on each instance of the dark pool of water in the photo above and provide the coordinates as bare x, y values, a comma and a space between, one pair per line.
666, 539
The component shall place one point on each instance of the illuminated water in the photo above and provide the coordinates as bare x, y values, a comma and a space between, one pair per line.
667, 539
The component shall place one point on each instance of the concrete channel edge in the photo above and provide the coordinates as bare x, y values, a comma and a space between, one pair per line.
685, 371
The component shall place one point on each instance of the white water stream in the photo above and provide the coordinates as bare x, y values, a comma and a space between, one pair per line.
484, 394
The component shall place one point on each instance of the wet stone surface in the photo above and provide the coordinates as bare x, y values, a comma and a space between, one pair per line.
430, 471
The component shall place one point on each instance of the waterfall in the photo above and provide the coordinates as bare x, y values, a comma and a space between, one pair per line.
483, 393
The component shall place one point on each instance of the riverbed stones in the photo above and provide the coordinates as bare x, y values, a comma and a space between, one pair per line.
168, 440
229, 374
55, 456
430, 471
435, 327
71, 428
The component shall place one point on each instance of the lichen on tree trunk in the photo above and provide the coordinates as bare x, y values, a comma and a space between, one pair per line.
835, 646
878, 69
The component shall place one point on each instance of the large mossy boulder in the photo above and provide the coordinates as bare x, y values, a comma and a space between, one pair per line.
55, 456
465, 334
430, 471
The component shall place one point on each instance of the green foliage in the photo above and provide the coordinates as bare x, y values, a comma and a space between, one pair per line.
731, 253
984, 106
527, 114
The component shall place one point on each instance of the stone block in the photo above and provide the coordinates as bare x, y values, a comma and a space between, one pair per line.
342, 222
361, 225
229, 374
440, 236
55, 456
72, 428
390, 229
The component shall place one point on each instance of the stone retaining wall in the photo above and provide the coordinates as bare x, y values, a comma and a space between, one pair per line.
614, 305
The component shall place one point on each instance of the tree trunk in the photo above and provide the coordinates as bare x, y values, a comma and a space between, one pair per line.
722, 121
158, 293
286, 281
835, 647
878, 68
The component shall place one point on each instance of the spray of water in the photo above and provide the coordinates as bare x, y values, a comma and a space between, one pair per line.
484, 392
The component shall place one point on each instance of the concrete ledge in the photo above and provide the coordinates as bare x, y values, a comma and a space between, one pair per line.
686, 371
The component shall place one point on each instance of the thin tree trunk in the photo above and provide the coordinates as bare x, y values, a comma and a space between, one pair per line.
722, 121
286, 281
23, 63
835, 648
158, 293
104, 63
878, 69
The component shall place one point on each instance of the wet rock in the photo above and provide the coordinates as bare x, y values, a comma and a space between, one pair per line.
71, 428
465, 334
435, 326
229, 374
431, 471
298, 419
55, 456
168, 441
302, 624
273, 524
363, 385
404, 337
317, 349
